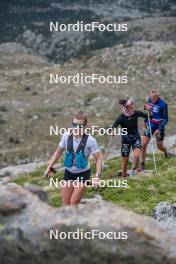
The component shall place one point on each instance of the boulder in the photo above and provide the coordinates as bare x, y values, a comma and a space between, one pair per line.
25, 233
165, 214
18, 170
10, 204
37, 190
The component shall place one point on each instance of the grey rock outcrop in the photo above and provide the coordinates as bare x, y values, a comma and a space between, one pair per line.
37, 190
15, 171
165, 214
32, 29
25, 224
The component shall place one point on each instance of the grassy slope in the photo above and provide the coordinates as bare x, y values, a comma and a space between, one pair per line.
142, 194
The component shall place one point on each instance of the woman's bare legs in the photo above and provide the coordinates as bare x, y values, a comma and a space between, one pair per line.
72, 194
77, 194
66, 192
124, 166
136, 156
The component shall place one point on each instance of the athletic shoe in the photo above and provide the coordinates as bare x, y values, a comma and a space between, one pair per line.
125, 176
132, 173
119, 174
142, 166
166, 154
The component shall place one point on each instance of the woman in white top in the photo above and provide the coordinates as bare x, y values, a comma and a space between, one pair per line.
78, 146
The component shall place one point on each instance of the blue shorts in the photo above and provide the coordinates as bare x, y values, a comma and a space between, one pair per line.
154, 128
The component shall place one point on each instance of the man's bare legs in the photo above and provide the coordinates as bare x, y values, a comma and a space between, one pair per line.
161, 147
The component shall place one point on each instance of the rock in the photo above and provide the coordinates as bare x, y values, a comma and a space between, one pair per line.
12, 47
171, 153
96, 198
36, 116
14, 140
170, 141
18, 170
2, 120
14, 171
43, 196
35, 93
27, 88
4, 180
3, 108
11, 203
165, 214
25, 235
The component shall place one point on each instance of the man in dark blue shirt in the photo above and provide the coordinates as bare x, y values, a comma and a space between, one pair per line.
159, 110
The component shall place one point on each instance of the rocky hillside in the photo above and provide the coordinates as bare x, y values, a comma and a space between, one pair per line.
29, 105
27, 22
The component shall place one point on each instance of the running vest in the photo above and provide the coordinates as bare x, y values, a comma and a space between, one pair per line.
81, 161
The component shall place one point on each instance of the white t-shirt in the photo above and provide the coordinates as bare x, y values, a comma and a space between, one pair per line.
91, 147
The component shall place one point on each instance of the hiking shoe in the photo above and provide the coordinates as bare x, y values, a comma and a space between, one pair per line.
142, 166
125, 176
132, 173
119, 174
166, 154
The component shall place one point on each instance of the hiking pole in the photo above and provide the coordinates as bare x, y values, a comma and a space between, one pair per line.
52, 169
107, 152
103, 165
153, 150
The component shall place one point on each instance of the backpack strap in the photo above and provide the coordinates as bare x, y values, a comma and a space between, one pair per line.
70, 144
82, 144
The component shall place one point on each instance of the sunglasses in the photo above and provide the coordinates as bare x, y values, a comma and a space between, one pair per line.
75, 125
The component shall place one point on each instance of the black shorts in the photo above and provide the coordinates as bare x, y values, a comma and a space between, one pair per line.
158, 138
128, 142
81, 176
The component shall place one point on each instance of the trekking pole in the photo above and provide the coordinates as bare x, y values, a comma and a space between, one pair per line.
103, 165
153, 150
53, 170
107, 152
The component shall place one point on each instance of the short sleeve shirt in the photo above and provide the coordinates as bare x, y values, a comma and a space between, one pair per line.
91, 148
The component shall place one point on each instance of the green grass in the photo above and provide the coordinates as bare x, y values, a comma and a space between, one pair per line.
142, 194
